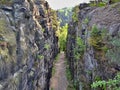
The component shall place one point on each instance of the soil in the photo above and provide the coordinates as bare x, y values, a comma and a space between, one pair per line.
59, 79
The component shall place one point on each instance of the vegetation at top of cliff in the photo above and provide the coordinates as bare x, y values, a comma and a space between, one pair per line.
111, 84
112, 1
97, 3
64, 15
75, 13
62, 35
101, 3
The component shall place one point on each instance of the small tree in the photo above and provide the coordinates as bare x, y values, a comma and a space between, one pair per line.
62, 35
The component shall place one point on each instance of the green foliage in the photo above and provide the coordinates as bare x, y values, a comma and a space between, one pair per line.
68, 74
64, 15
97, 78
69, 78
53, 68
79, 49
101, 4
98, 4
86, 21
75, 14
51, 89
111, 84
43, 29
97, 38
47, 46
75, 17
55, 23
62, 35
40, 57
115, 1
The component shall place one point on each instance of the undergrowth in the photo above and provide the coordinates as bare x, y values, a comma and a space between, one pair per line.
111, 84
69, 78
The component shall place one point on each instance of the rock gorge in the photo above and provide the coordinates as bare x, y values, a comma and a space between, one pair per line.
93, 45
28, 45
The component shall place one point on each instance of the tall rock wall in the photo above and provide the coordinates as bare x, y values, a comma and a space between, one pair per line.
28, 45
93, 45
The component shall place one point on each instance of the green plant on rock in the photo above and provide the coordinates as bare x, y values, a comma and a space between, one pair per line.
54, 18
47, 46
75, 14
97, 78
79, 49
111, 84
97, 38
98, 3
71, 85
86, 21
43, 29
40, 57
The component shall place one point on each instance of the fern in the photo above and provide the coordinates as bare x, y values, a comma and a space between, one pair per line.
111, 83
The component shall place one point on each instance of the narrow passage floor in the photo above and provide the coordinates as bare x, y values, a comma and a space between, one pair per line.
59, 79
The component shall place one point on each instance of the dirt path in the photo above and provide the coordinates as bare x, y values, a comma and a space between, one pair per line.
59, 80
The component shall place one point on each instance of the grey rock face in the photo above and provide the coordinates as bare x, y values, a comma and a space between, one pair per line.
92, 65
26, 51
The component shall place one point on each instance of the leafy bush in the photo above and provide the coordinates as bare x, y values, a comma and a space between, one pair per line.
75, 14
98, 4
103, 3
97, 38
54, 18
111, 84
71, 85
62, 35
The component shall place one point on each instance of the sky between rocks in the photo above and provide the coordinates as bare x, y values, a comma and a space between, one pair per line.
58, 4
